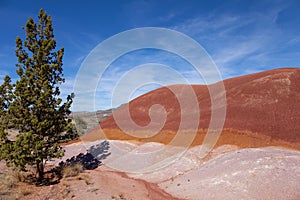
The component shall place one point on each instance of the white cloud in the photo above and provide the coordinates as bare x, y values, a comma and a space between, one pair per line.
103, 71
239, 43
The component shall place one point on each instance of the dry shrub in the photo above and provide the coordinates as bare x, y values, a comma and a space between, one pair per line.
86, 178
20, 176
25, 192
8, 182
72, 170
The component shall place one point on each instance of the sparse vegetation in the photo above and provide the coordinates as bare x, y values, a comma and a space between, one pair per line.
119, 197
93, 190
122, 196
20, 176
25, 192
81, 125
9, 182
72, 170
86, 179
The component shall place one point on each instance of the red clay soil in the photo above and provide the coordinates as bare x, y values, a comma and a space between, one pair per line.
267, 103
154, 192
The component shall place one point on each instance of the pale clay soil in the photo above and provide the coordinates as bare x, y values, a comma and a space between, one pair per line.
226, 173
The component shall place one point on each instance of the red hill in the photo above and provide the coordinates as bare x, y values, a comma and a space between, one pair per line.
267, 103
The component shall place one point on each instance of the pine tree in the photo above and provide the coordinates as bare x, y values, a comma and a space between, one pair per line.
35, 108
5, 100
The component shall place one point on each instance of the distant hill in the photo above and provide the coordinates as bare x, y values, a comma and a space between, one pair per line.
267, 103
86, 121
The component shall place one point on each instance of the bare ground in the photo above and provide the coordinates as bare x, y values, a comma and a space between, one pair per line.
228, 172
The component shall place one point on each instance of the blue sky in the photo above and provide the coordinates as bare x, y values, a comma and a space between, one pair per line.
241, 37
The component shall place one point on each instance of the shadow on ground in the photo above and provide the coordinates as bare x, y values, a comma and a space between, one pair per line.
89, 161
92, 159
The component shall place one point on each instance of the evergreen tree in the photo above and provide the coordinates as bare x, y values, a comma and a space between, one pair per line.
5, 100
35, 108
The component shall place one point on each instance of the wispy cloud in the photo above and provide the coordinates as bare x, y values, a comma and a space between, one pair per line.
128, 75
241, 42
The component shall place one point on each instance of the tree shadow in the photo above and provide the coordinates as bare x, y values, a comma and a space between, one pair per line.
89, 161
100, 151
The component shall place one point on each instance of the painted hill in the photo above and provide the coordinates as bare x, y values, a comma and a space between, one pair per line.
267, 103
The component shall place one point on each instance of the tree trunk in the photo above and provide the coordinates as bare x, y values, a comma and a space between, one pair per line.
39, 170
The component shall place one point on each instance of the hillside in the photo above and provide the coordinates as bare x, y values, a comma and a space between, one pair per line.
266, 103
86, 121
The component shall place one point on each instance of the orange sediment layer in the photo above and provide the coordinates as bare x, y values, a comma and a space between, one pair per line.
242, 139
